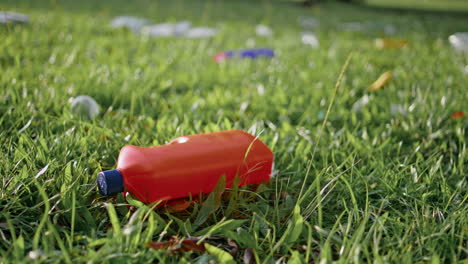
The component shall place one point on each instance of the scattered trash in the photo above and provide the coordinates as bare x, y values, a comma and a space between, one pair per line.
384, 43
35, 254
13, 17
459, 41
359, 104
181, 29
309, 38
249, 54
85, 107
457, 115
167, 29
383, 80
263, 31
201, 32
396, 109
187, 166
308, 22
134, 24
160, 30
250, 43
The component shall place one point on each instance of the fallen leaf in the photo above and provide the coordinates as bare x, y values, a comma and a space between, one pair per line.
248, 256
295, 258
234, 248
458, 115
384, 43
163, 245
190, 245
383, 80
175, 245
222, 256
295, 226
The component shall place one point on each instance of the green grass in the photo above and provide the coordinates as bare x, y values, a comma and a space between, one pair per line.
380, 187
442, 5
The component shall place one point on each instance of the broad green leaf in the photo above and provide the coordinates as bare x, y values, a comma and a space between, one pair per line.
295, 258
222, 256
296, 225
114, 219
212, 202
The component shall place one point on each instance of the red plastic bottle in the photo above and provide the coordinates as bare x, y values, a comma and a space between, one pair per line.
188, 165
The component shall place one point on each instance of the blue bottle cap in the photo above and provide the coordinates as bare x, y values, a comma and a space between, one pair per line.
255, 53
110, 182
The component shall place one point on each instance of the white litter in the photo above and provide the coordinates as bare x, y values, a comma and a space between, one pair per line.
132, 23
263, 31
308, 22
159, 30
201, 32
459, 41
181, 29
84, 106
309, 38
396, 109
250, 43
359, 104
13, 17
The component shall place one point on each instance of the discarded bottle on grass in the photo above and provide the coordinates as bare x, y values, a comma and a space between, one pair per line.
13, 17
249, 53
188, 166
132, 23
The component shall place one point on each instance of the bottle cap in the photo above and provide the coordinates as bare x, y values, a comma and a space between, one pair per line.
110, 182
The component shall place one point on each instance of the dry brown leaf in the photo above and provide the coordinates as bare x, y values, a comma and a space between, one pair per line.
384, 43
163, 245
175, 245
383, 80
234, 248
